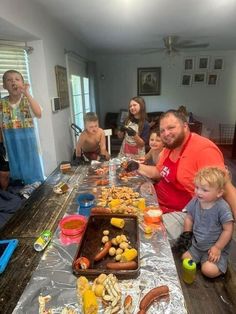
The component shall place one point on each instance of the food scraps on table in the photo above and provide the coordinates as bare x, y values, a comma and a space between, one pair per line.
107, 289
61, 188
122, 200
125, 176
102, 182
101, 171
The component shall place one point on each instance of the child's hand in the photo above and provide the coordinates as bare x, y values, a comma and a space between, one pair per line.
214, 254
25, 89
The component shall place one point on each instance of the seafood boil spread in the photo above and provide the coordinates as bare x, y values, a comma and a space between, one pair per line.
115, 260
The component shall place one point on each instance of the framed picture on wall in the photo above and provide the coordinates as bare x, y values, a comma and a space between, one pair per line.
149, 81
199, 78
186, 79
62, 86
203, 63
189, 63
218, 63
212, 79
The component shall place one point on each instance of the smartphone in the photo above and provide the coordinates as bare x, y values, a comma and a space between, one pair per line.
7, 248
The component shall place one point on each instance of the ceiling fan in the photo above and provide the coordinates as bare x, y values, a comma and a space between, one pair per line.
173, 45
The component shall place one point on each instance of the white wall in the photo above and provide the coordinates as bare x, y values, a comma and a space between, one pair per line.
210, 104
54, 128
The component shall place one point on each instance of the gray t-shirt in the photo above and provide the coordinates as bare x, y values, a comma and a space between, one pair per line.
207, 223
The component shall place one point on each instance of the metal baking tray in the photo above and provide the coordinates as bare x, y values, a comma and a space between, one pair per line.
91, 244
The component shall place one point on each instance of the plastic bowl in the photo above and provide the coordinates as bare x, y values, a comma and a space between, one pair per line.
153, 215
72, 225
86, 200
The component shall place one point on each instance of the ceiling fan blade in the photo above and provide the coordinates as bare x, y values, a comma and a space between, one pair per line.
184, 43
151, 50
203, 45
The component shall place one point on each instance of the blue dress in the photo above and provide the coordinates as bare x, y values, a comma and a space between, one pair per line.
20, 141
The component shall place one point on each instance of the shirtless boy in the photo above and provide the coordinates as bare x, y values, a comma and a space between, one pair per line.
92, 142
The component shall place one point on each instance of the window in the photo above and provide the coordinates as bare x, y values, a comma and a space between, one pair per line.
13, 58
81, 100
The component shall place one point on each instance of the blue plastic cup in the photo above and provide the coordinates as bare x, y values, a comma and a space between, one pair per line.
84, 211
86, 202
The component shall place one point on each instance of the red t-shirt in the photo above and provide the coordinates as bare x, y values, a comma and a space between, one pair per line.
199, 153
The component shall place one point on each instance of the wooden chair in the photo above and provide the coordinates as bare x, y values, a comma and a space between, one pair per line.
108, 133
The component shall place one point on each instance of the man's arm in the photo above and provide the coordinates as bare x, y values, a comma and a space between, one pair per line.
145, 170
149, 171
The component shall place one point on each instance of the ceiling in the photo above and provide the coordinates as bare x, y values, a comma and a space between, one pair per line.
129, 26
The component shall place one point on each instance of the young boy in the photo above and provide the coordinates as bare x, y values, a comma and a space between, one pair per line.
92, 141
210, 219
156, 147
17, 111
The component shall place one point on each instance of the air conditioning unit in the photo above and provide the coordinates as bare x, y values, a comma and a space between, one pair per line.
55, 102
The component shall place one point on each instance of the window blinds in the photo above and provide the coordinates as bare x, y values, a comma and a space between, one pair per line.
13, 58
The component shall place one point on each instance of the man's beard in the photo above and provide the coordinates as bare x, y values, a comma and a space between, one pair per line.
177, 142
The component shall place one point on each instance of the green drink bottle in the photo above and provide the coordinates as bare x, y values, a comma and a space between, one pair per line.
189, 270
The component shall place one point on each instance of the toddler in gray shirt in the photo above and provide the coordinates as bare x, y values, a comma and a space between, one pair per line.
210, 219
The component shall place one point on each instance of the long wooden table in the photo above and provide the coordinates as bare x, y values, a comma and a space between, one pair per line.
42, 211
53, 274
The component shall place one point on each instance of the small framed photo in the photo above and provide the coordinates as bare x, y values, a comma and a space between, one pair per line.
199, 78
186, 79
212, 79
218, 63
149, 81
203, 63
189, 63
62, 86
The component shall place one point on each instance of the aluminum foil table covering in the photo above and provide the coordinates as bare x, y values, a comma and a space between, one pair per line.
54, 276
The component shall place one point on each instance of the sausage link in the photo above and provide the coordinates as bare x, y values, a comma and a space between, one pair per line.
141, 312
153, 295
103, 252
100, 210
122, 266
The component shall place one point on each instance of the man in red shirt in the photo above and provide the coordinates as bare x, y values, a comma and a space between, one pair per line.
184, 154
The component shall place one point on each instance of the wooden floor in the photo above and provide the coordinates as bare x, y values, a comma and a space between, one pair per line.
205, 296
